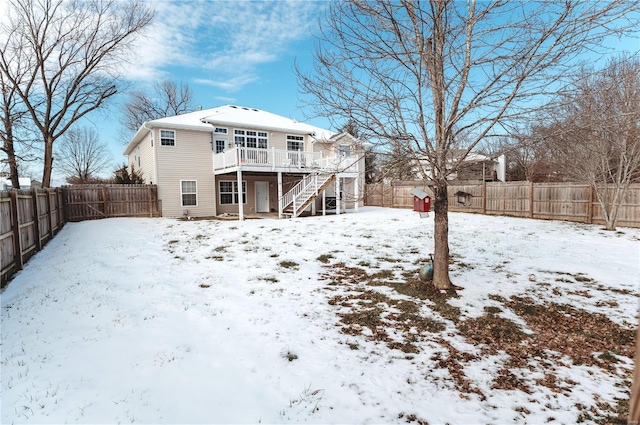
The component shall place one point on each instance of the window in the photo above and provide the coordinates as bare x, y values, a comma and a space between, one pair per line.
229, 192
167, 138
344, 150
220, 130
138, 155
295, 143
220, 145
189, 192
251, 139
238, 137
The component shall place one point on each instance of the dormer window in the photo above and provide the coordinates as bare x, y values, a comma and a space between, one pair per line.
344, 150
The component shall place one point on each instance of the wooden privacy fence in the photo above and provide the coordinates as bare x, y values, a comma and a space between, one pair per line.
28, 220
90, 202
552, 201
31, 218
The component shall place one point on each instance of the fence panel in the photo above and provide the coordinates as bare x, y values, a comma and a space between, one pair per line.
29, 219
553, 201
90, 202
25, 226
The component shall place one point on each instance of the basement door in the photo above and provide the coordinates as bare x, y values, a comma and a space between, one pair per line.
262, 197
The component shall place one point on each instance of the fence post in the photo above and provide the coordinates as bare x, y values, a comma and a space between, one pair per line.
393, 196
62, 218
36, 218
150, 201
49, 212
105, 202
484, 198
531, 199
590, 206
15, 220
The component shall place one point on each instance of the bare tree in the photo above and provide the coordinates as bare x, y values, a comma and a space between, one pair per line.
64, 57
595, 134
81, 155
17, 138
10, 118
429, 77
167, 99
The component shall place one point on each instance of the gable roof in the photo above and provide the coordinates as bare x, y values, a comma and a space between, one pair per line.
230, 116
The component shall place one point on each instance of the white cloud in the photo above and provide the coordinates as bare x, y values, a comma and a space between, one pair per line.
230, 84
227, 41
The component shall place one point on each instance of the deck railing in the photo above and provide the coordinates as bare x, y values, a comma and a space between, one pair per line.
268, 158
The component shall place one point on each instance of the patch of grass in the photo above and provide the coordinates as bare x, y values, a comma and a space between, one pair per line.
205, 285
221, 248
286, 264
389, 259
289, 355
364, 264
382, 274
215, 257
324, 258
274, 255
270, 279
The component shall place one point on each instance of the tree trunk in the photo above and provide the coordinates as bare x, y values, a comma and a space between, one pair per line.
48, 162
441, 237
11, 159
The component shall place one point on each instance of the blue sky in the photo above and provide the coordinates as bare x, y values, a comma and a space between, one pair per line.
237, 52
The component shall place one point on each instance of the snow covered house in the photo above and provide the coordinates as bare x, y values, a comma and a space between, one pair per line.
25, 183
474, 167
238, 160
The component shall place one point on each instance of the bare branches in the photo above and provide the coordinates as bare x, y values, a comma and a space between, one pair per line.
64, 57
167, 99
595, 132
81, 155
426, 78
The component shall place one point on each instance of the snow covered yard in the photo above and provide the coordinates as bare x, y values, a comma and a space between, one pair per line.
317, 320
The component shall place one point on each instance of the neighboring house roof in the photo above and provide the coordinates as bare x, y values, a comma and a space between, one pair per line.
25, 183
230, 116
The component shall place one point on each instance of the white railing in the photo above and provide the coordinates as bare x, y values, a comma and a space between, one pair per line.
339, 164
274, 158
309, 192
287, 198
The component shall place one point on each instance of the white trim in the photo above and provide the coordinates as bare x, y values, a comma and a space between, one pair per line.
255, 189
259, 135
244, 183
188, 193
174, 137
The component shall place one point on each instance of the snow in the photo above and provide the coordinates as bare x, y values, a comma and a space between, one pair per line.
230, 116
167, 321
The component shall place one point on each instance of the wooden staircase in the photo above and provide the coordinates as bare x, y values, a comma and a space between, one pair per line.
294, 202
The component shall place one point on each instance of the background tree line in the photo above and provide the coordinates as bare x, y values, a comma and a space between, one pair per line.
61, 61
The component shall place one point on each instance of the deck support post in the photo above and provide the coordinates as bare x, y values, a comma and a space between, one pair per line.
324, 202
356, 193
279, 194
338, 200
240, 197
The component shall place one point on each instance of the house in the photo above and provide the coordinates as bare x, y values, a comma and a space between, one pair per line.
238, 160
25, 183
474, 167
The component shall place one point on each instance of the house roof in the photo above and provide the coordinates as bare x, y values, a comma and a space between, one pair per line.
23, 181
230, 116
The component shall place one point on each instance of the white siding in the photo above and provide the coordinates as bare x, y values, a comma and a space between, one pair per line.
190, 159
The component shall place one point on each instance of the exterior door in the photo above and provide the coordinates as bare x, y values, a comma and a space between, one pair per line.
262, 197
